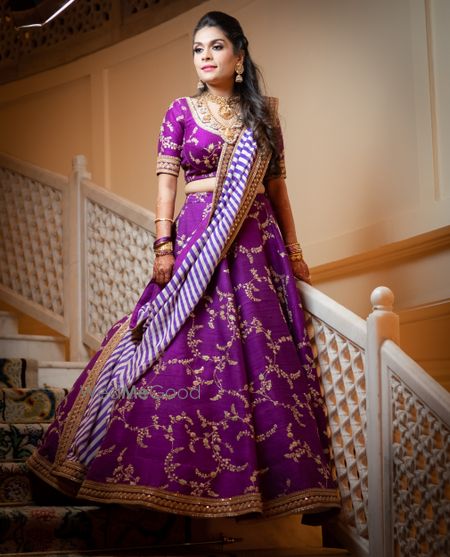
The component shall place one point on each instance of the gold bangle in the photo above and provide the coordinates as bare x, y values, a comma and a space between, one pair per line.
159, 219
293, 247
296, 257
294, 251
163, 247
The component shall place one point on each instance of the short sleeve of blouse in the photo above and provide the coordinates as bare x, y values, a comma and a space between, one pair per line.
170, 141
281, 173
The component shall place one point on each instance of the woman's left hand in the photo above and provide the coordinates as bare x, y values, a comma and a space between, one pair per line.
301, 270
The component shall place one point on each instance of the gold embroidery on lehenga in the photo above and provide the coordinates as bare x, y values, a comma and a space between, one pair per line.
123, 473
212, 436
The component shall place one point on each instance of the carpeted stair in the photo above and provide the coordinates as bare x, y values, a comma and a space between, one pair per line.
34, 517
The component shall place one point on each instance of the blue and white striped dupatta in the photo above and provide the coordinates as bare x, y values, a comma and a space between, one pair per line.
165, 314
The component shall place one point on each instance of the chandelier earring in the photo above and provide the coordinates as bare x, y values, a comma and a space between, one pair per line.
200, 85
239, 69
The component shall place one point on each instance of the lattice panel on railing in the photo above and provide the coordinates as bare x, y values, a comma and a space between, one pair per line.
341, 366
119, 264
421, 483
31, 240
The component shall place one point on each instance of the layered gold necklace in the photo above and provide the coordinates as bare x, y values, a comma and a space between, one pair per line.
228, 111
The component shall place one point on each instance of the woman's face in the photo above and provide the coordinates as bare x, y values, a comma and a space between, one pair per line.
214, 58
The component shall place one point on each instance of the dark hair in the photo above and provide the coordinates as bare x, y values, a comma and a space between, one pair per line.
254, 108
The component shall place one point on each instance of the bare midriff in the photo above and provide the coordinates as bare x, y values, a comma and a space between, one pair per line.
209, 184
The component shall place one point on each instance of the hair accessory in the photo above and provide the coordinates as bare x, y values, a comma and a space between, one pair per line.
163, 218
239, 69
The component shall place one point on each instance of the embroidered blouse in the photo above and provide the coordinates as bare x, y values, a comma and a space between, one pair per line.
188, 141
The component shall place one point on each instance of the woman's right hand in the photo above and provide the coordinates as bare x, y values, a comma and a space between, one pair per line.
162, 269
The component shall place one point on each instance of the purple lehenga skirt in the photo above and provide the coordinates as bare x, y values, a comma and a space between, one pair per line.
230, 419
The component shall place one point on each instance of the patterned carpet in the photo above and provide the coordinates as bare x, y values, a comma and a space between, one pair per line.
34, 517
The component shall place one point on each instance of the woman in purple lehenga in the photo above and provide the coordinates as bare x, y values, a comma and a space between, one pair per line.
205, 401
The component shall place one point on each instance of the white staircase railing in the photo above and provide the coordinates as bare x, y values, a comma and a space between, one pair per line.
33, 239
415, 458
390, 432
76, 257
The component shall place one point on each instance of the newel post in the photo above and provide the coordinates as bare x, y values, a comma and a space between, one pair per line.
382, 324
78, 351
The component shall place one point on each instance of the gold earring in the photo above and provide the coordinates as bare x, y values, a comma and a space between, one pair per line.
200, 84
239, 69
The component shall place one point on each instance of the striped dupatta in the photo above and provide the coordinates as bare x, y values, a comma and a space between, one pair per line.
241, 170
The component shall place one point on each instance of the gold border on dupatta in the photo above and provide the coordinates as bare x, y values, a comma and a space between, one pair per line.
256, 175
226, 155
310, 500
73, 419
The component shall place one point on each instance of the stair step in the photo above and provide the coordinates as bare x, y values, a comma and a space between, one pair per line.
291, 552
19, 486
8, 324
17, 441
194, 551
40, 347
20, 405
18, 372
59, 374
15, 484
80, 527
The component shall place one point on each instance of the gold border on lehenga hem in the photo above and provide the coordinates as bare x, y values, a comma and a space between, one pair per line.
310, 500
300, 502
43, 469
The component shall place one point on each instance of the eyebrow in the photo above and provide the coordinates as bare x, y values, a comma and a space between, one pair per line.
210, 42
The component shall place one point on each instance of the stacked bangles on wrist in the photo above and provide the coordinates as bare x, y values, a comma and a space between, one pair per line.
163, 245
294, 251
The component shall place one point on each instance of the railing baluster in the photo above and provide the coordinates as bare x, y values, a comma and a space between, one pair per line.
382, 324
74, 298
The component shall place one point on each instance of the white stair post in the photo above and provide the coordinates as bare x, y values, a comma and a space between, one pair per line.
74, 299
382, 324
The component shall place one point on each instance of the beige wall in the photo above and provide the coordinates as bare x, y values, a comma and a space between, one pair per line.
362, 86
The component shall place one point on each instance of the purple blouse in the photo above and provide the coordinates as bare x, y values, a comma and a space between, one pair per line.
188, 140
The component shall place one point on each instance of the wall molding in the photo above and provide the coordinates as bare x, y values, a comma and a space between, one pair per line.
416, 246
425, 312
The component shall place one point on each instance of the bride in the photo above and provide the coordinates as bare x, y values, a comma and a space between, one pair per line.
205, 400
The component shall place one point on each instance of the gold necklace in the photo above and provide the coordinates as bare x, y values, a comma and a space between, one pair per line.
231, 130
227, 106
